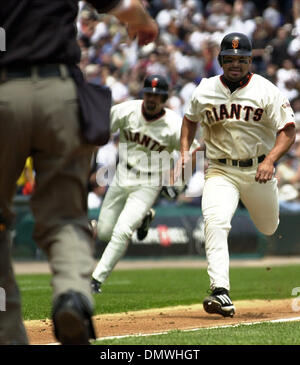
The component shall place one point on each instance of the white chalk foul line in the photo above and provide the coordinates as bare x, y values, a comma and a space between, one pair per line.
280, 320
47, 287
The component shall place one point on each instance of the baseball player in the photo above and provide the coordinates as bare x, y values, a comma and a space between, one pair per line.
147, 129
247, 126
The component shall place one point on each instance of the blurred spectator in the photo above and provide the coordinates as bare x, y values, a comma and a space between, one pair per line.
237, 22
287, 79
218, 15
272, 14
289, 199
296, 108
96, 196
166, 14
93, 73
249, 9
297, 146
279, 46
187, 90
210, 56
287, 171
260, 42
175, 103
288, 175
25, 183
294, 46
271, 73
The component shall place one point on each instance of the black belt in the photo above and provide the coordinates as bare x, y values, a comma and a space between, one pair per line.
242, 163
47, 70
129, 167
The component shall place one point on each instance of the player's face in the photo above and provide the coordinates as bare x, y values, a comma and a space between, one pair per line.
153, 103
236, 67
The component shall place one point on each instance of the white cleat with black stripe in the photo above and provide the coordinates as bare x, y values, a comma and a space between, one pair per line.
219, 302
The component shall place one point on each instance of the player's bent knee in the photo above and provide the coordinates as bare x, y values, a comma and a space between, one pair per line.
122, 233
268, 229
268, 232
104, 234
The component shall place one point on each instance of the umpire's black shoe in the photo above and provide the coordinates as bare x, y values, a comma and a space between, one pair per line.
144, 227
72, 319
219, 302
96, 286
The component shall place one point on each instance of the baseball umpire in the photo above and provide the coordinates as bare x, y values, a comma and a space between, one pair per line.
39, 117
248, 124
146, 127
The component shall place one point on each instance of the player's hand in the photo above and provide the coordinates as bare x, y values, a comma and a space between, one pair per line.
144, 32
172, 192
180, 166
265, 171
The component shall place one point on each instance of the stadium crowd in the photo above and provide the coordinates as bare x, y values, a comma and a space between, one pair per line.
186, 51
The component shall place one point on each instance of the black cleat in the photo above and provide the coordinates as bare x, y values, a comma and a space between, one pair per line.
142, 231
72, 319
96, 286
219, 302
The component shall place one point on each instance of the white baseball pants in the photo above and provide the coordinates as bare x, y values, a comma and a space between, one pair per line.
122, 212
224, 186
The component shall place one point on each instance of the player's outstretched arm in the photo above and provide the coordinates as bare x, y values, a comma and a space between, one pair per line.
188, 132
138, 21
283, 143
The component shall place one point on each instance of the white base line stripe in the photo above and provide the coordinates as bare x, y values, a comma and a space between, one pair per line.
280, 320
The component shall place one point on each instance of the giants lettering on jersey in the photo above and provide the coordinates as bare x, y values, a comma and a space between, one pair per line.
235, 111
143, 140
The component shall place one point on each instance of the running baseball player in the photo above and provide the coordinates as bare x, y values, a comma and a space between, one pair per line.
247, 124
147, 130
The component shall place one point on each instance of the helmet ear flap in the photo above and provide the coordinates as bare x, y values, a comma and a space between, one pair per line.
165, 98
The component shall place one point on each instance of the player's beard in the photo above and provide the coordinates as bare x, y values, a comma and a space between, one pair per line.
235, 74
150, 107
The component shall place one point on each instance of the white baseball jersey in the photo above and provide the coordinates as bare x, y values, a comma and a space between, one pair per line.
242, 124
143, 141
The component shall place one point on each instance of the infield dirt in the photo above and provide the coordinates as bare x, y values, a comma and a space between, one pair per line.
170, 318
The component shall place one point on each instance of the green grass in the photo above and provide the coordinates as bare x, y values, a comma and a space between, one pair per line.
129, 290
257, 334
36, 295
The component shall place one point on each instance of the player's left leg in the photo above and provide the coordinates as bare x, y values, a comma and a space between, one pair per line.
262, 202
139, 201
111, 208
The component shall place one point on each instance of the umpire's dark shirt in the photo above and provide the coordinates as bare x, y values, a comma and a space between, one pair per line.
42, 31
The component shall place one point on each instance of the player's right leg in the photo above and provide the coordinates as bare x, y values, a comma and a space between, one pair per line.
219, 202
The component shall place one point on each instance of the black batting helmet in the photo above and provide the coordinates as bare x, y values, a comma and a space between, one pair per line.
235, 44
156, 84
